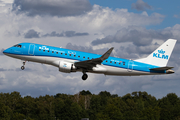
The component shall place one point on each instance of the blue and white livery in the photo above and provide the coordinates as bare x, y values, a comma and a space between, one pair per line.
73, 61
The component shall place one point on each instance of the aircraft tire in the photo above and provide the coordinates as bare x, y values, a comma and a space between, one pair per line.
85, 76
22, 67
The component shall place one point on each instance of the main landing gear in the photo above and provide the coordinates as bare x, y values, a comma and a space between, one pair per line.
22, 67
85, 76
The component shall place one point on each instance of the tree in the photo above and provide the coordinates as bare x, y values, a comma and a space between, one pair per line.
104, 106
85, 92
102, 116
59, 105
5, 112
18, 116
113, 112
170, 106
105, 94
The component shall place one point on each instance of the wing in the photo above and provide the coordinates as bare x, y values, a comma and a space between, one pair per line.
89, 64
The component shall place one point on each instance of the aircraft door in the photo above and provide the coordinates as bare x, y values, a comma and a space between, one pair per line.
31, 49
130, 66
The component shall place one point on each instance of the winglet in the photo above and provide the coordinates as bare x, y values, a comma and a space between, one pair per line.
107, 54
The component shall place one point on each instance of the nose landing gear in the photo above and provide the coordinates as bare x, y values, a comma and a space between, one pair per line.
22, 67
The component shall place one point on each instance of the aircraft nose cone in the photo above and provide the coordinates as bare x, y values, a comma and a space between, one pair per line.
6, 51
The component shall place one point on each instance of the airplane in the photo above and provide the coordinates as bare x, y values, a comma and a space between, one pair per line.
76, 61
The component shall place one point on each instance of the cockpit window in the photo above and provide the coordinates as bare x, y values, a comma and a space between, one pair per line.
17, 46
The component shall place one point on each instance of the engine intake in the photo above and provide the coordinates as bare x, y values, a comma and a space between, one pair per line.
66, 67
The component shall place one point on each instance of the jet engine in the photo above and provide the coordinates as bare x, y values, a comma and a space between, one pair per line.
66, 67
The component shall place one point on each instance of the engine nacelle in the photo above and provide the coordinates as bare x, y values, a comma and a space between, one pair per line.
99, 69
66, 67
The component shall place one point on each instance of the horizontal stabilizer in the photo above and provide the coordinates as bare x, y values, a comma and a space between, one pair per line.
162, 68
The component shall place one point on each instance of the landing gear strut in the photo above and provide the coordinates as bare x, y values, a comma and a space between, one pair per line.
22, 67
85, 76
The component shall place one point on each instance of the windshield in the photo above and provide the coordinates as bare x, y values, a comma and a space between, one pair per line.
17, 46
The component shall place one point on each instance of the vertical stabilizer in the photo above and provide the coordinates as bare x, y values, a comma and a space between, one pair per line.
161, 55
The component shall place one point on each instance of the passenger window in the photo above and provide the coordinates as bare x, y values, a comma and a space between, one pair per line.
106, 61
110, 61
83, 57
119, 63
74, 55
78, 56
69, 54
39, 49
123, 63
56, 52
115, 62
61, 53
48, 50
65, 53
88, 57
52, 51
43, 50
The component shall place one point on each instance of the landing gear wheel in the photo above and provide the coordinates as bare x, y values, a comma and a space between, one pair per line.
85, 76
22, 67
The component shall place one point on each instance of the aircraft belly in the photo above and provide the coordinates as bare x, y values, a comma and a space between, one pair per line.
123, 71
36, 59
47, 60
16, 56
41, 59
55, 61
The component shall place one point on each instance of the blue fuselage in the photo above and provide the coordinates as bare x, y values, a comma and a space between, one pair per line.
53, 55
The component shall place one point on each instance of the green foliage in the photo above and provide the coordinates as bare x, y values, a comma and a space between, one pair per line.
5, 112
18, 116
170, 107
85, 92
104, 106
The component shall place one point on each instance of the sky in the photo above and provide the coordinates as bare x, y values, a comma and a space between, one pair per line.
135, 28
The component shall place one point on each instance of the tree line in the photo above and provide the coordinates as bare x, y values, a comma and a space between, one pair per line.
103, 106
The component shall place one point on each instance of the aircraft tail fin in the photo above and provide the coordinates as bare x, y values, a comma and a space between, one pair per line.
161, 55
